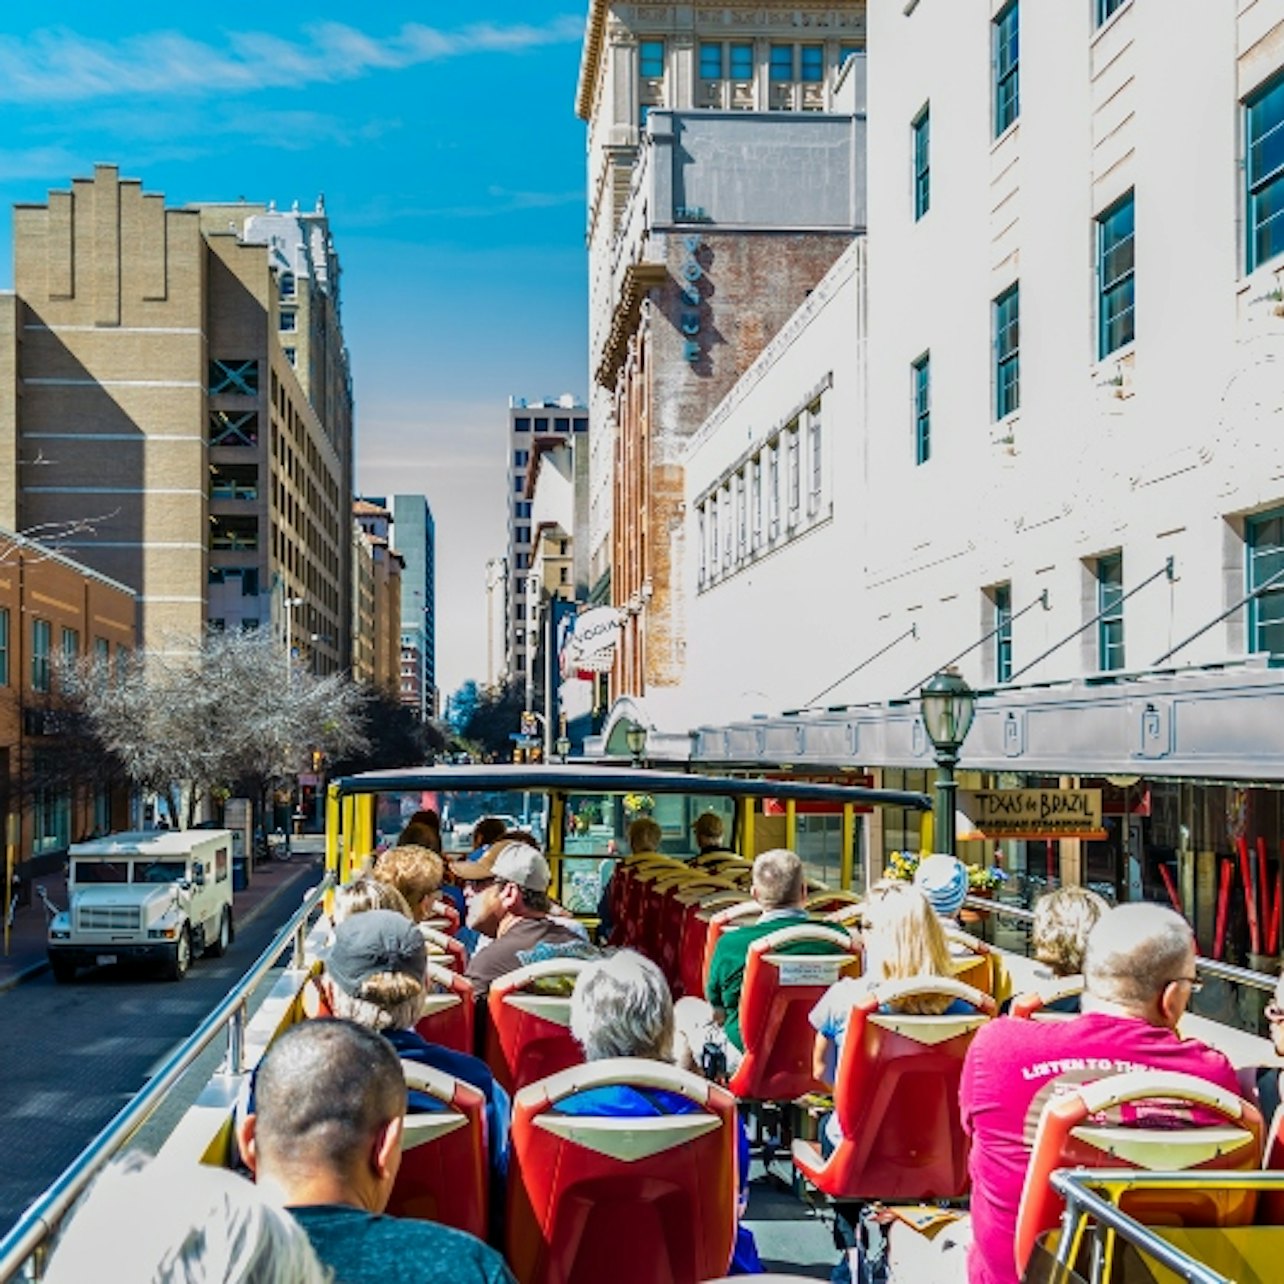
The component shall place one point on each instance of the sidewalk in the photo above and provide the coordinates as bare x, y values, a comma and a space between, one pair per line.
26, 957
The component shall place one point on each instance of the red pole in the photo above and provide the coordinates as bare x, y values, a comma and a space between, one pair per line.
1265, 909
1223, 904
1250, 896
1172, 888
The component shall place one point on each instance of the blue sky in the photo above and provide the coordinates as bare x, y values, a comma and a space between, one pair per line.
445, 141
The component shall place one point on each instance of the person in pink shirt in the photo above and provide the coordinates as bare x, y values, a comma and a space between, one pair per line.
1139, 974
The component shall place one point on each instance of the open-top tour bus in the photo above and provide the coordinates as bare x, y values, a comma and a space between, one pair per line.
671, 905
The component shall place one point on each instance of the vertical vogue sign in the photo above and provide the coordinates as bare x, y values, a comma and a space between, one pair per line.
689, 321
1036, 813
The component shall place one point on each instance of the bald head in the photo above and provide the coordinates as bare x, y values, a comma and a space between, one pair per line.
323, 1092
1134, 952
778, 879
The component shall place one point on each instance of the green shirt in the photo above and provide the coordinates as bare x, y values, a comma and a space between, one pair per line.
367, 1248
727, 970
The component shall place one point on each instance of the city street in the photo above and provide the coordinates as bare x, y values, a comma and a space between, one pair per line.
74, 1054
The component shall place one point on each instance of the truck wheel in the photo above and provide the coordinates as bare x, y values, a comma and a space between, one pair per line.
181, 959
218, 946
64, 970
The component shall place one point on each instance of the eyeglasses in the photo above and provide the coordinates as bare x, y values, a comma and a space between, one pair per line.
1195, 985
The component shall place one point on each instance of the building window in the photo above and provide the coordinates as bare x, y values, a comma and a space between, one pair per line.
711, 61
922, 386
755, 502
4, 646
793, 448
815, 455
1110, 625
741, 62
1115, 283
522, 423
651, 59
523, 561
782, 63
522, 535
102, 810
562, 424
291, 355
522, 508
287, 285
234, 428
1106, 7
1007, 352
519, 484
581, 425
41, 646
521, 458
773, 489
1264, 540
239, 378
289, 320
1264, 127
70, 644
742, 518
921, 129
702, 545
1003, 633
1007, 101
811, 70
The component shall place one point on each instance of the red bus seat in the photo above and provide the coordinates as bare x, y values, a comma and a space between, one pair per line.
695, 933
779, 991
444, 949
1070, 1136
628, 921
827, 902
678, 900
630, 1200
654, 894
528, 1031
897, 1098
449, 1008
1034, 1003
444, 1174
444, 917
731, 917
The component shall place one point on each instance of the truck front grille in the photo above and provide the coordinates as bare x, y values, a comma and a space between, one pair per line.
109, 918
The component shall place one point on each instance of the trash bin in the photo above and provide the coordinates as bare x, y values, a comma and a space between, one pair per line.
240, 879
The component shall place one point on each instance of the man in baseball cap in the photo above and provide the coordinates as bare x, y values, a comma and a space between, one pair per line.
506, 890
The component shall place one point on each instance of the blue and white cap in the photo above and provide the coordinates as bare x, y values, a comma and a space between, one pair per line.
943, 880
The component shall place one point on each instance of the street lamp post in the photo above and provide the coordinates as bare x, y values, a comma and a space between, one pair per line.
563, 747
635, 738
947, 704
289, 603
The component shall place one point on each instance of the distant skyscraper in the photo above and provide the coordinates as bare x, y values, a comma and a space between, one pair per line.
530, 423
414, 534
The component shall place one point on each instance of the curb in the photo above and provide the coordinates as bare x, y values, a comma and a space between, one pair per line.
38, 968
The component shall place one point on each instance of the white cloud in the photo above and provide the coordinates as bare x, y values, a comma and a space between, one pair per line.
58, 65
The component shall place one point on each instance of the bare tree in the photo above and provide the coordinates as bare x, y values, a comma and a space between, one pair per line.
184, 722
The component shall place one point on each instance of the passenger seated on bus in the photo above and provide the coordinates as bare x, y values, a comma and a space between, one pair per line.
507, 895
707, 833
1139, 973
708, 1030
902, 939
943, 880
416, 872
622, 1007
644, 840
1268, 1077
1059, 936
159, 1223
325, 1140
375, 976
363, 893
423, 829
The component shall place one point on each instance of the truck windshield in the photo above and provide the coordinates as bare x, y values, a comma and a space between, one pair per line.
99, 871
160, 871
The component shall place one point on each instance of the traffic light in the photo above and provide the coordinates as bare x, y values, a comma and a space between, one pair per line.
530, 724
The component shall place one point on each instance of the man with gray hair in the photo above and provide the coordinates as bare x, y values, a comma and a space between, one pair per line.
1139, 974
708, 1029
325, 1140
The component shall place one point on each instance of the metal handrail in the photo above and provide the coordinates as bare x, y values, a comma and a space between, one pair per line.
1204, 966
1076, 1188
42, 1218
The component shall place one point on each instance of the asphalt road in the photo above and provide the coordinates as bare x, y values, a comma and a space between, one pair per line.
72, 1055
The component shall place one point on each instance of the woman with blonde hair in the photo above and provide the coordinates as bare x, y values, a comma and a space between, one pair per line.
903, 939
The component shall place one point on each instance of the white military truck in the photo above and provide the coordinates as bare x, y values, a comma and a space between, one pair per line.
157, 895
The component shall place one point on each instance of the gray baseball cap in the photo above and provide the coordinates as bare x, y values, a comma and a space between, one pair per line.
374, 942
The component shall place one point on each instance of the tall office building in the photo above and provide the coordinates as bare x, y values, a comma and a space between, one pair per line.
179, 408
416, 539
532, 426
